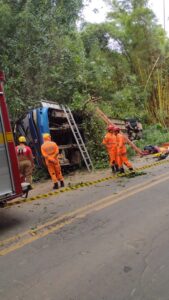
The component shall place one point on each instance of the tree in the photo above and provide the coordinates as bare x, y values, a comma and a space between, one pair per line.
141, 41
39, 52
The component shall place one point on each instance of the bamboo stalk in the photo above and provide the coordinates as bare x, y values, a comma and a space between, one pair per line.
151, 72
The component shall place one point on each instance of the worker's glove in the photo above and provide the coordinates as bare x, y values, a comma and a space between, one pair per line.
52, 160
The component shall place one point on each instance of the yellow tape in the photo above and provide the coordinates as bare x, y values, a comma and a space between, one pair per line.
83, 184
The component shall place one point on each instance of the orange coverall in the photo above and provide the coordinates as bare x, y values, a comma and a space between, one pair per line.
50, 152
110, 142
122, 151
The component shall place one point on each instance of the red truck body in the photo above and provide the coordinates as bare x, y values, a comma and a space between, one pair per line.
10, 183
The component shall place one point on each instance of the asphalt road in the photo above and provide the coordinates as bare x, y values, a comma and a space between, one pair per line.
108, 241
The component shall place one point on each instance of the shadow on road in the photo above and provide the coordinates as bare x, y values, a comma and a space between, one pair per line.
8, 221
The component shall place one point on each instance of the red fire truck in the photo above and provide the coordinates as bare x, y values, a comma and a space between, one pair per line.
10, 183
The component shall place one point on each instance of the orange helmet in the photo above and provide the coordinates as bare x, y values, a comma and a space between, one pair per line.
110, 128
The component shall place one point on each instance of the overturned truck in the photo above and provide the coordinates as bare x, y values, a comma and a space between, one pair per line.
64, 128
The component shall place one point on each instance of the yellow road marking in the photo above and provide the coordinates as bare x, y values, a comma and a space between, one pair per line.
75, 187
54, 225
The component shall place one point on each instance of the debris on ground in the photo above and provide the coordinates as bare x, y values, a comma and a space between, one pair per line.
134, 174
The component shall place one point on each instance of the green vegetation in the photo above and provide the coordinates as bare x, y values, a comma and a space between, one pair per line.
154, 135
122, 62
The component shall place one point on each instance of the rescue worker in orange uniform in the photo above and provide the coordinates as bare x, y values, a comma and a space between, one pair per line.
110, 141
50, 152
122, 151
25, 160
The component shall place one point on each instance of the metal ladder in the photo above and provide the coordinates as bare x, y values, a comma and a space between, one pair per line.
78, 137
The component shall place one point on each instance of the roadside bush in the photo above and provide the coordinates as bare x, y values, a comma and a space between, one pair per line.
94, 130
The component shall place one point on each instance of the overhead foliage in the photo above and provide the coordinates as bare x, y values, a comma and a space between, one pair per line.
39, 52
123, 62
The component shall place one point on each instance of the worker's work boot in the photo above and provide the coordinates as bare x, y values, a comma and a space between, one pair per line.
62, 183
56, 186
121, 170
113, 169
116, 168
131, 170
